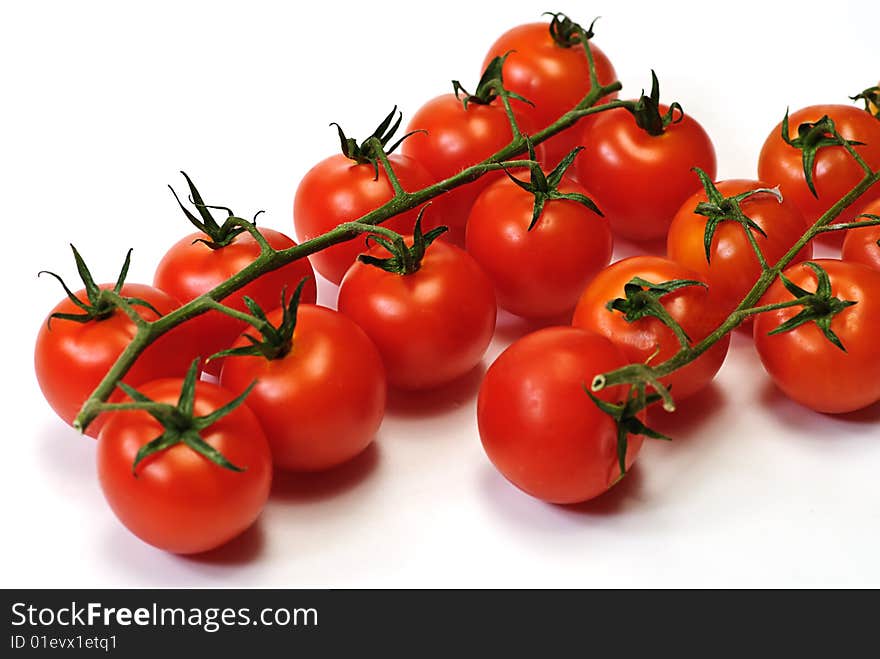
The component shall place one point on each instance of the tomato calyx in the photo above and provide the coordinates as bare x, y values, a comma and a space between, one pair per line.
812, 136
276, 341
718, 209
565, 32
404, 260
99, 304
490, 86
625, 416
646, 110
819, 307
375, 147
219, 235
545, 187
642, 299
179, 423
871, 98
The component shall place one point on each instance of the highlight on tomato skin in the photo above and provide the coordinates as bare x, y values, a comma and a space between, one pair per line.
71, 358
641, 180
320, 404
862, 245
178, 500
835, 172
539, 427
538, 272
803, 362
190, 268
649, 339
338, 190
431, 326
554, 78
733, 267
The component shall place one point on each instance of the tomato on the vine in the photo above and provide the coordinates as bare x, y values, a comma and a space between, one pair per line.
677, 295
348, 185
72, 355
179, 498
639, 164
547, 65
538, 265
862, 245
732, 267
201, 261
831, 371
320, 386
834, 171
431, 314
538, 425
457, 131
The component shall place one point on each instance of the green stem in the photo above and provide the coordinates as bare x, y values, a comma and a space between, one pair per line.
636, 373
849, 225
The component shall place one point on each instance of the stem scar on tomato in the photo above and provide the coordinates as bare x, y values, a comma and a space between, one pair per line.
819, 307
179, 423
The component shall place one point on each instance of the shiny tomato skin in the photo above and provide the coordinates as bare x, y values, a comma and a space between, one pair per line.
734, 267
861, 245
804, 364
455, 139
190, 269
648, 338
552, 77
835, 172
431, 326
180, 501
320, 404
338, 190
537, 424
641, 180
539, 272
71, 358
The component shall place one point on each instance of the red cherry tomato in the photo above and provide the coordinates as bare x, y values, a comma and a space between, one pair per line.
320, 404
640, 180
649, 338
190, 269
542, 271
71, 358
338, 190
734, 267
553, 77
537, 424
177, 499
808, 367
431, 326
458, 138
863, 245
835, 172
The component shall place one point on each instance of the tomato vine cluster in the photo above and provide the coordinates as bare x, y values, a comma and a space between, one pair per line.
509, 197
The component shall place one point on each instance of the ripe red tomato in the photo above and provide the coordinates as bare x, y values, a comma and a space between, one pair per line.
537, 272
537, 424
456, 139
640, 180
338, 190
834, 171
863, 245
190, 269
649, 338
552, 76
430, 326
734, 267
808, 367
177, 499
71, 358
321, 403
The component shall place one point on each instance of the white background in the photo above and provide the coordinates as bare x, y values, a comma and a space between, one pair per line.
102, 104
